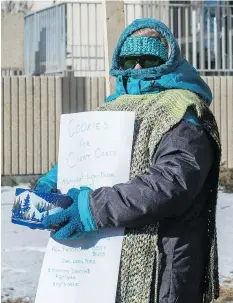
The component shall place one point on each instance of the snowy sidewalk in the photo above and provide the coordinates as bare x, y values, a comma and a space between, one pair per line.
23, 249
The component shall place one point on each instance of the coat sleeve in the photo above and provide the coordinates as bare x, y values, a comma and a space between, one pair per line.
178, 172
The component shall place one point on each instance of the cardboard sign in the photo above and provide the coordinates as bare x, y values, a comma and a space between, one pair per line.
94, 150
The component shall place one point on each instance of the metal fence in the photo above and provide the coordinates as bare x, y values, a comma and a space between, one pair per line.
69, 36
204, 30
45, 41
31, 109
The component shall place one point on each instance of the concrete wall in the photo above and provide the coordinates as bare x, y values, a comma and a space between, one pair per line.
12, 42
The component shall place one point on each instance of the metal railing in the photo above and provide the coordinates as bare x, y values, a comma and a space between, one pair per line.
12, 71
204, 31
69, 36
45, 41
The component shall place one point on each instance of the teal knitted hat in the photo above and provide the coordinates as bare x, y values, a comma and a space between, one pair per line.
137, 45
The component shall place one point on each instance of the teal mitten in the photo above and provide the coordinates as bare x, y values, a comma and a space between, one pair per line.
48, 182
76, 220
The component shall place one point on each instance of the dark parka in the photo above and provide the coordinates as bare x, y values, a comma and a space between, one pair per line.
174, 191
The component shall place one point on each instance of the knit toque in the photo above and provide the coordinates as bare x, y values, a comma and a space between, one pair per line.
136, 45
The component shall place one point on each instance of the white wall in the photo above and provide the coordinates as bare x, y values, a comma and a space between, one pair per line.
12, 38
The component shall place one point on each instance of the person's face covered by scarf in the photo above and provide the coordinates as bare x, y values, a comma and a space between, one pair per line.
145, 48
153, 40
147, 60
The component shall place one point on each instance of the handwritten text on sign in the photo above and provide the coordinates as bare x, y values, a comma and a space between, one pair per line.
94, 151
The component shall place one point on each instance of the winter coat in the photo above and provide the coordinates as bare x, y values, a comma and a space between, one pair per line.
174, 193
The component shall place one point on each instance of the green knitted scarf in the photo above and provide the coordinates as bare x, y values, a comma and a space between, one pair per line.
155, 115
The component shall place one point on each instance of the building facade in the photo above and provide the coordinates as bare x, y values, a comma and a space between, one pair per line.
68, 37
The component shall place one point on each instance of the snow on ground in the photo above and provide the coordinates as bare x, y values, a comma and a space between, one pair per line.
225, 235
22, 253
23, 249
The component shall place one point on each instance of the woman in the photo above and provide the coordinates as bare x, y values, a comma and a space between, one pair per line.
168, 207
